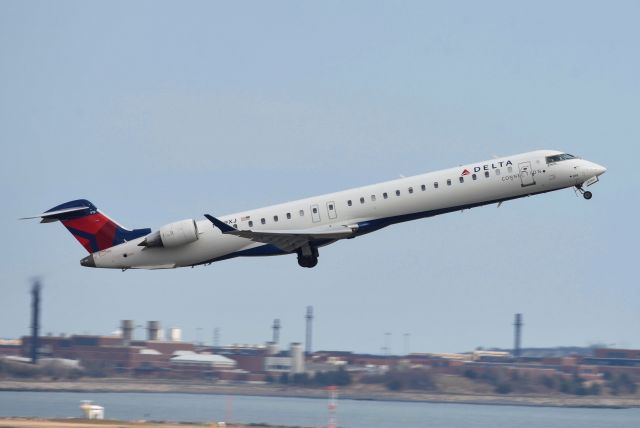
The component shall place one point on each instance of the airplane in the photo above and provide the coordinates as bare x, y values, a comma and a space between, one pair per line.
301, 227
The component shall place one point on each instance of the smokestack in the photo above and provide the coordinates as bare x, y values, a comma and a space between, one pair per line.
35, 320
276, 330
518, 335
127, 331
216, 337
297, 358
175, 334
272, 348
309, 318
153, 330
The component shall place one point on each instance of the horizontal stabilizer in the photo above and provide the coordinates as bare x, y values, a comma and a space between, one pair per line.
51, 216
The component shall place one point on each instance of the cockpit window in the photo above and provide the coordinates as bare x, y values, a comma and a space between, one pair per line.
561, 157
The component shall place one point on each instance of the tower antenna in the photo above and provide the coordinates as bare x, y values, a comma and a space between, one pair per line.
517, 350
308, 341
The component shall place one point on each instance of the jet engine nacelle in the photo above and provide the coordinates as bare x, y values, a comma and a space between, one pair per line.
173, 235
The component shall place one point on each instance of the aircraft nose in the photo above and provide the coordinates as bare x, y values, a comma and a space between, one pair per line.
88, 261
591, 169
600, 170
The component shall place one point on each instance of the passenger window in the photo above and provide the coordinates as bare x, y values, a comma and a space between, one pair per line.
384, 195
349, 202
397, 193
275, 218
461, 179
475, 177
435, 185
486, 174
331, 207
373, 198
289, 216
250, 223
410, 189
497, 171
301, 213
262, 220
362, 200
423, 187
448, 182
315, 210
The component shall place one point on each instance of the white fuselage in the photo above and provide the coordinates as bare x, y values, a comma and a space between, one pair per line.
366, 209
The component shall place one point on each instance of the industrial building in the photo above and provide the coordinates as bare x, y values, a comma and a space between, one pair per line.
276, 361
155, 356
121, 354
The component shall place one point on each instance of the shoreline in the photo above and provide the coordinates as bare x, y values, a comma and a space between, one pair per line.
119, 385
20, 422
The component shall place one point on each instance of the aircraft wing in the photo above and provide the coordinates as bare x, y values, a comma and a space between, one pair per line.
286, 240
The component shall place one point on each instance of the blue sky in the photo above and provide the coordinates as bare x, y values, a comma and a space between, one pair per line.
159, 111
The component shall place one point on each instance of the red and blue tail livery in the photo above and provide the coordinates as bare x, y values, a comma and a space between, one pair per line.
93, 229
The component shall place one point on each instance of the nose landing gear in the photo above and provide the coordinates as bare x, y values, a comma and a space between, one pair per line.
585, 193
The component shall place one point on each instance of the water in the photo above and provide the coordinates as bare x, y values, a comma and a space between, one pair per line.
310, 412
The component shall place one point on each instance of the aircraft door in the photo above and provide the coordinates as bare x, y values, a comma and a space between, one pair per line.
315, 213
526, 174
331, 210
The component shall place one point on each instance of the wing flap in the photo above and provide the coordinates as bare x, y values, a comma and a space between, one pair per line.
286, 240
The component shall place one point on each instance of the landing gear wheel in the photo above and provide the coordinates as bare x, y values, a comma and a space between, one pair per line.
308, 256
585, 193
307, 262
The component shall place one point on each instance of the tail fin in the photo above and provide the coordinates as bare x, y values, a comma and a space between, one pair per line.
94, 230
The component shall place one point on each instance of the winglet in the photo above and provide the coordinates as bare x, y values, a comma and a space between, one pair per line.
224, 228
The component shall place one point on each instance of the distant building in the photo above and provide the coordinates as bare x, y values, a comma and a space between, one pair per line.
250, 359
613, 360
285, 362
617, 354
202, 361
495, 356
10, 347
107, 353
